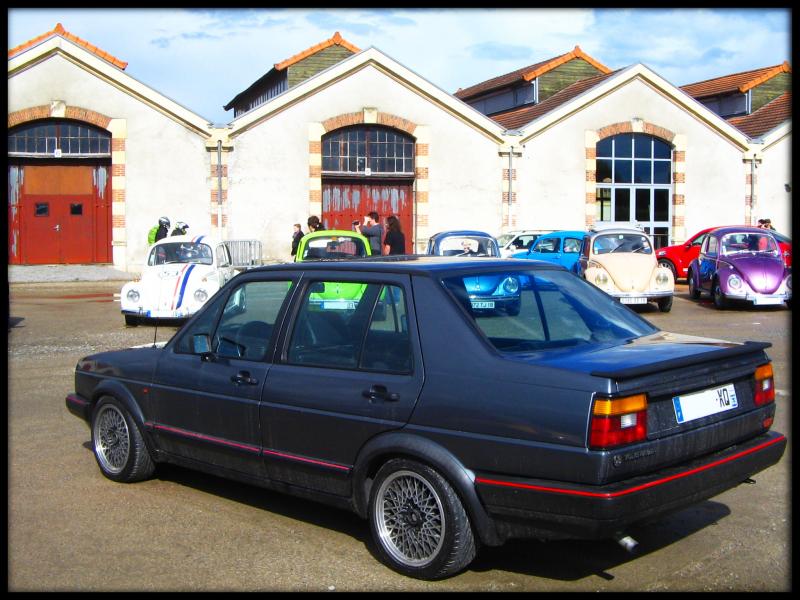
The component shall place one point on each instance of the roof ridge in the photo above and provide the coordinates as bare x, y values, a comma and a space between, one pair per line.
337, 39
59, 30
783, 67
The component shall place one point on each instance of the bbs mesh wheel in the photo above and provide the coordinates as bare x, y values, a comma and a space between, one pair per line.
418, 522
118, 444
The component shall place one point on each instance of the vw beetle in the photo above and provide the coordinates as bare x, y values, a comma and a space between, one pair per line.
741, 263
622, 263
180, 273
488, 294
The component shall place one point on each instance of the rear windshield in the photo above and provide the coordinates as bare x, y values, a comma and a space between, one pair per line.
524, 311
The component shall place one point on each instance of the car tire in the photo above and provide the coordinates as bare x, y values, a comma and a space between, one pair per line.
117, 443
131, 321
719, 298
668, 264
665, 304
418, 523
694, 292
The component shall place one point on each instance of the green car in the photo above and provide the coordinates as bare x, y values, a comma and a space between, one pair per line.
336, 244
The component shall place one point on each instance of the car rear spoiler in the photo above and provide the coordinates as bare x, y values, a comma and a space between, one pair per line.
683, 361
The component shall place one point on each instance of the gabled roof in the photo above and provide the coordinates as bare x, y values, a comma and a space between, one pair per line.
528, 73
738, 82
518, 117
336, 40
61, 32
766, 118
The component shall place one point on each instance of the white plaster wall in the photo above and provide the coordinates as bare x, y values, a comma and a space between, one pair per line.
552, 172
775, 171
269, 167
167, 168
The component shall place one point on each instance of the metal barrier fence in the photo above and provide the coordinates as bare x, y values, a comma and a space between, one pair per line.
245, 253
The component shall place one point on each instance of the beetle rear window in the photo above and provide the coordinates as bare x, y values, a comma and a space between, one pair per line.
523, 311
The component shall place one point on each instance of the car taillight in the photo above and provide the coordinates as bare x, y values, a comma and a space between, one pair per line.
765, 385
618, 421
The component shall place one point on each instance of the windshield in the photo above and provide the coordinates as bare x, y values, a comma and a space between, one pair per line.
466, 245
540, 310
180, 252
621, 242
505, 238
334, 246
737, 243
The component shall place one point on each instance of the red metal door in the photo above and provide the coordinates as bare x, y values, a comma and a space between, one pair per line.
346, 201
63, 215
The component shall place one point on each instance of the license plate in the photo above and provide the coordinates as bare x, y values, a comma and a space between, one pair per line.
483, 304
761, 301
338, 305
705, 403
633, 300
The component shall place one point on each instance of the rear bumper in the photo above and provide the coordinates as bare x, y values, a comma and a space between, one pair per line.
552, 510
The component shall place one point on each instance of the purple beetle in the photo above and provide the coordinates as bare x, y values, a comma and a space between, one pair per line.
740, 263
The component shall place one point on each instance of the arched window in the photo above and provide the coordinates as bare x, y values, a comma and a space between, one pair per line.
368, 150
58, 138
634, 183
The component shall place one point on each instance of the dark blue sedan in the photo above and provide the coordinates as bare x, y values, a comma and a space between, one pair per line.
444, 427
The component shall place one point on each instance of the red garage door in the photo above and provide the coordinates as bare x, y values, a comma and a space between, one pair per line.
346, 201
59, 214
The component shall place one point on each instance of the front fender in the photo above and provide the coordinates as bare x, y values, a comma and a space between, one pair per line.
112, 387
400, 443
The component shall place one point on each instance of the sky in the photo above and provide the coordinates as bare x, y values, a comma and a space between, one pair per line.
201, 58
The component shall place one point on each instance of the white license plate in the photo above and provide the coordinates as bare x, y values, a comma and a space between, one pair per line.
483, 304
338, 304
633, 300
705, 403
761, 301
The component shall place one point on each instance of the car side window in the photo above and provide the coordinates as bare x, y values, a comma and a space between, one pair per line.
248, 319
699, 240
547, 245
711, 246
572, 246
352, 325
223, 259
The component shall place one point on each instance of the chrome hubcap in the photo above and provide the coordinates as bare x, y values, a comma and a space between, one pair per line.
111, 439
410, 519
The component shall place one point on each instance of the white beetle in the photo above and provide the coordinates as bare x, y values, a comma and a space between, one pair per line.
180, 273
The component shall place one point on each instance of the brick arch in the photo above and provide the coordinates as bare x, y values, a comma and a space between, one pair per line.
358, 118
46, 111
627, 127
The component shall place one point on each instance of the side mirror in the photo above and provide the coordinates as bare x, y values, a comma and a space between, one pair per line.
201, 344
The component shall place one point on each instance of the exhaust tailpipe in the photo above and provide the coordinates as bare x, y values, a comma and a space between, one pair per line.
626, 542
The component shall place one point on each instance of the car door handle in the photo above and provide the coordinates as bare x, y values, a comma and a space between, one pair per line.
244, 377
379, 392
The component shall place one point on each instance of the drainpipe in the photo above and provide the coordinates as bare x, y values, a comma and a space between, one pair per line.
752, 188
510, 175
219, 189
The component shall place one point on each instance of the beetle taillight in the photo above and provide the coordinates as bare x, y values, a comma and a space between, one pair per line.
618, 421
765, 385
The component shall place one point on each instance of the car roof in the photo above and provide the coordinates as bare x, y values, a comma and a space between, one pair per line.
565, 233
417, 264
334, 232
460, 232
617, 230
738, 229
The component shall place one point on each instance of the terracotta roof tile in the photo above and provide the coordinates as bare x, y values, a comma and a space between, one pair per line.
766, 118
60, 31
335, 40
519, 117
738, 82
528, 73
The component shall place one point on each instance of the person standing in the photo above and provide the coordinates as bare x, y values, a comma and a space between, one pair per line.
314, 224
158, 232
395, 240
298, 233
373, 231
